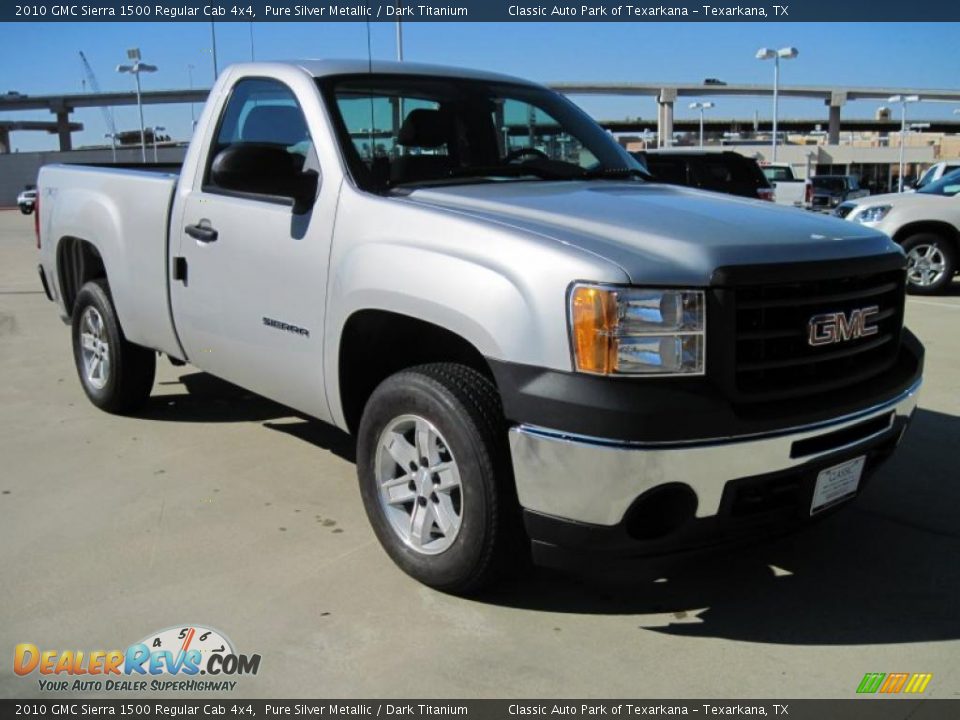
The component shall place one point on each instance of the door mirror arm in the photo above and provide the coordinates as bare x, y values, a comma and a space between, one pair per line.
304, 192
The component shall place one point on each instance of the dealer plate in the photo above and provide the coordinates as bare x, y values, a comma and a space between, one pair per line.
837, 483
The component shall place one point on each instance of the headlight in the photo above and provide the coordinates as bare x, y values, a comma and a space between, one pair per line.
637, 331
874, 213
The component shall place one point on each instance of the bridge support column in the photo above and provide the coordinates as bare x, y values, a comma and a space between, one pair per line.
63, 130
665, 101
4, 141
837, 100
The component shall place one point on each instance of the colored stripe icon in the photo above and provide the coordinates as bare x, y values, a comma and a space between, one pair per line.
891, 683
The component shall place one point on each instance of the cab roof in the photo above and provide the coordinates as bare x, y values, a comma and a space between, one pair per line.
323, 68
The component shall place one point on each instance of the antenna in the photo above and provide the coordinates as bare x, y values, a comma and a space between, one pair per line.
373, 145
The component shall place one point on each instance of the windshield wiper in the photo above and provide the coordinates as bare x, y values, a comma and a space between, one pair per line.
535, 169
614, 173
487, 174
516, 171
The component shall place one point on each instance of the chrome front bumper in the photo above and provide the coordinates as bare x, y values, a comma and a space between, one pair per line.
595, 481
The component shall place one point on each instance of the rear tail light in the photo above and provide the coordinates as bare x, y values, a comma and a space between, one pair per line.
36, 218
808, 193
765, 194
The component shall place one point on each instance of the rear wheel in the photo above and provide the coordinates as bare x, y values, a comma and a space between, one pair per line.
115, 374
931, 263
25, 209
435, 476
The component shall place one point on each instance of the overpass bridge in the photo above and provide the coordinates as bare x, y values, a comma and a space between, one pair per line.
665, 94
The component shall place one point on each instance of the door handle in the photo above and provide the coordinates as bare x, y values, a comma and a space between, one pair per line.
201, 232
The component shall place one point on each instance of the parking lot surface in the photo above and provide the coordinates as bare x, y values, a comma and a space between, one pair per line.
218, 507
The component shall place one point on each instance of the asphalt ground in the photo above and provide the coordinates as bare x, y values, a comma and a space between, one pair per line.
218, 507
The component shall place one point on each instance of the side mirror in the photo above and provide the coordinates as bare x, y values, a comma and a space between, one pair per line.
264, 169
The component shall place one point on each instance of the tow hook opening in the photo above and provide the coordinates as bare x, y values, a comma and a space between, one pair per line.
661, 511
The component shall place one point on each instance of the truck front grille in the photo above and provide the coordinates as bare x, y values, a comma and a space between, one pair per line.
774, 358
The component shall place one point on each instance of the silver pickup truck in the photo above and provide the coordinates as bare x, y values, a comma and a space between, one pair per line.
535, 347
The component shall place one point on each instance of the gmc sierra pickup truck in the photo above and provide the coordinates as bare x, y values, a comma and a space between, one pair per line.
536, 347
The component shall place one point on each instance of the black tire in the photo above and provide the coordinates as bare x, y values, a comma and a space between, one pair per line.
25, 210
465, 409
947, 251
127, 382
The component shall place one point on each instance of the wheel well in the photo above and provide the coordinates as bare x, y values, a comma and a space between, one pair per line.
78, 262
377, 343
944, 230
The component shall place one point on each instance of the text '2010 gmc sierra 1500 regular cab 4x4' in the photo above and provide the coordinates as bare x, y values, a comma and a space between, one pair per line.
534, 345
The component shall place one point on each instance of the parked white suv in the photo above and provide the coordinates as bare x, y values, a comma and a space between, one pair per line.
925, 223
937, 171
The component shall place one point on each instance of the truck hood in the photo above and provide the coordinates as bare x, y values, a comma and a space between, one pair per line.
660, 234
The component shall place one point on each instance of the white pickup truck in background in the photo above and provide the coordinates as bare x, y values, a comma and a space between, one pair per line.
537, 348
788, 189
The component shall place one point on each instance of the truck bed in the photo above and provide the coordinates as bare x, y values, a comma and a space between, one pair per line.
162, 168
124, 212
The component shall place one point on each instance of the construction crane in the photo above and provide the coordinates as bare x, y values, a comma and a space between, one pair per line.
107, 113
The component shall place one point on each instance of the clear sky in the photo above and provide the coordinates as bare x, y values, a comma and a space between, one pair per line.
42, 58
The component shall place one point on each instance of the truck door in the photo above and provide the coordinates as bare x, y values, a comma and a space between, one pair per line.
250, 274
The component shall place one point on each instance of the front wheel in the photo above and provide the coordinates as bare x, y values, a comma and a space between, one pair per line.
115, 374
931, 263
25, 209
435, 476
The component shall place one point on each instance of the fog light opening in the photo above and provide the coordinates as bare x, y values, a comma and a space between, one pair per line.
661, 511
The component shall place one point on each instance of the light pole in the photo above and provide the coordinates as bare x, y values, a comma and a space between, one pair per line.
193, 117
701, 106
903, 100
787, 53
399, 35
135, 70
113, 145
154, 131
213, 49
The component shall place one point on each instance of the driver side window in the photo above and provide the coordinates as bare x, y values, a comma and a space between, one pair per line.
263, 113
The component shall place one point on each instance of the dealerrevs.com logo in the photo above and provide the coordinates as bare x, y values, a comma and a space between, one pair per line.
171, 659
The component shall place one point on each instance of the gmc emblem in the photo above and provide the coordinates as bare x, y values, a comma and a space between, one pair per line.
836, 327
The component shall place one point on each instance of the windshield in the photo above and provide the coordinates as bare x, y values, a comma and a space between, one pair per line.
416, 130
778, 173
830, 184
948, 185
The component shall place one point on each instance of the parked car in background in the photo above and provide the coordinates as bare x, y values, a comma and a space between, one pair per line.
788, 189
935, 172
925, 223
831, 190
26, 201
726, 172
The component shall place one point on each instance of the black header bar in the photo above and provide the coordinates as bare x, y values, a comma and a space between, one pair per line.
639, 11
